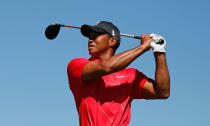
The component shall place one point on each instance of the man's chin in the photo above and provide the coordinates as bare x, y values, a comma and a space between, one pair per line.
93, 54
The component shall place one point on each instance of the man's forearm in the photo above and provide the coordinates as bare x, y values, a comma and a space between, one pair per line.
162, 78
122, 60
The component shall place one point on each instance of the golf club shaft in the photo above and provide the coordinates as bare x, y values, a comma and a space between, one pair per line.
131, 36
70, 26
122, 34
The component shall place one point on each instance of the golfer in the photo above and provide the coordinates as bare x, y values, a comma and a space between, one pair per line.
103, 87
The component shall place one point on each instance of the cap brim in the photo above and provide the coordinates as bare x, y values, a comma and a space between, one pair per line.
87, 29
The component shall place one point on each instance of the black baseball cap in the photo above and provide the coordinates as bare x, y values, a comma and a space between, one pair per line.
101, 27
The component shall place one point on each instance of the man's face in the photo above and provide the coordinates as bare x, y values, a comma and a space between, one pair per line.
98, 43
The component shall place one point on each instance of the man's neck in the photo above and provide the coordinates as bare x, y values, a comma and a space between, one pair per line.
105, 56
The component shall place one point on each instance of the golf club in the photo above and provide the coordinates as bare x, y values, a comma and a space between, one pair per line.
52, 31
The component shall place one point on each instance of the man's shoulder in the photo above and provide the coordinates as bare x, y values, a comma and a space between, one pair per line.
83, 59
77, 61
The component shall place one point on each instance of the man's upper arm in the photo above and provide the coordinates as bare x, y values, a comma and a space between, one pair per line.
93, 70
148, 90
144, 87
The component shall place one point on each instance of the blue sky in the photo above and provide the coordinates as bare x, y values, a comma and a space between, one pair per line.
33, 80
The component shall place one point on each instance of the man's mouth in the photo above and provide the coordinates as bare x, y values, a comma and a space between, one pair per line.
90, 45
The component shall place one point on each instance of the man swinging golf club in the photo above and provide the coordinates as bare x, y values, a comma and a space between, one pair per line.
103, 87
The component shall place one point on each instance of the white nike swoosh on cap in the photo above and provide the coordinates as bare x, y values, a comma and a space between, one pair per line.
113, 34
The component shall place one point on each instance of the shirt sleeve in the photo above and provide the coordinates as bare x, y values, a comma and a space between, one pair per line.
74, 71
139, 81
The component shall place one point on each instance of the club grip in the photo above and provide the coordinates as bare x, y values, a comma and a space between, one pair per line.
160, 42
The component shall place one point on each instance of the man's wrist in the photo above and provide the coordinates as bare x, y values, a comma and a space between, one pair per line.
159, 53
143, 48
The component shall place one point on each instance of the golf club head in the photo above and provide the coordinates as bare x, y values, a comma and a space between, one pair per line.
52, 31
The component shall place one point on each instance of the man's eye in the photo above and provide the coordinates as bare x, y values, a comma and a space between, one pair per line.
93, 36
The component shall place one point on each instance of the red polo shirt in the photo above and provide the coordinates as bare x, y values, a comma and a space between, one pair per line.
105, 101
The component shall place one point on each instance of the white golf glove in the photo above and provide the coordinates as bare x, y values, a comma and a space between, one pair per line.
158, 43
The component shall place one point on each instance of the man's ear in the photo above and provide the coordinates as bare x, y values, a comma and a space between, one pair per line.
112, 41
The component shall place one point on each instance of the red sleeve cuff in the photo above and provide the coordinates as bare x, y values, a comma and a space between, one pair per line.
139, 82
